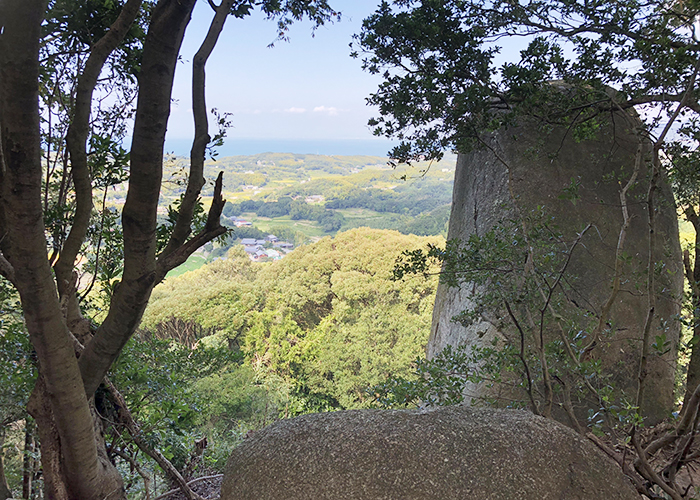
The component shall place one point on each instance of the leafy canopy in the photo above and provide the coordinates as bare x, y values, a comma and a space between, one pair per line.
445, 78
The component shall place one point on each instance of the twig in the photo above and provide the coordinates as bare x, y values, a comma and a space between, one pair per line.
6, 269
642, 466
568, 407
521, 355
605, 311
190, 483
132, 427
139, 470
683, 425
620, 459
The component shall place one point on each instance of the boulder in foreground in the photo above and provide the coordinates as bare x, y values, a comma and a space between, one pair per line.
442, 453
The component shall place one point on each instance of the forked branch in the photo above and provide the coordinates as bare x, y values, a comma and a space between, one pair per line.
134, 430
181, 231
213, 229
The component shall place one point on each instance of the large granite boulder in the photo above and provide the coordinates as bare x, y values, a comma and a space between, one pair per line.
530, 165
442, 453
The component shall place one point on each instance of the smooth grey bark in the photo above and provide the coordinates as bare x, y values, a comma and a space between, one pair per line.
74, 458
160, 54
181, 231
76, 143
26, 246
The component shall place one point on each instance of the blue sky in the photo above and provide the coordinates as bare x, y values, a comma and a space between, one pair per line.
309, 89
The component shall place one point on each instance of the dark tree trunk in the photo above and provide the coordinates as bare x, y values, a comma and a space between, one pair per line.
28, 459
74, 461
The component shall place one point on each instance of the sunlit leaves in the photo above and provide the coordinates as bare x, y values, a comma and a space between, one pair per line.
327, 320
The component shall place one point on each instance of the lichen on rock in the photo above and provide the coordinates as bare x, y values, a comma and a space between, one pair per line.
440, 453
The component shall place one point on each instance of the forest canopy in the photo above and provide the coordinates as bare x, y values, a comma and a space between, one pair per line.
327, 319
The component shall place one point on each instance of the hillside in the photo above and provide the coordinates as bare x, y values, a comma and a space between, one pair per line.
326, 322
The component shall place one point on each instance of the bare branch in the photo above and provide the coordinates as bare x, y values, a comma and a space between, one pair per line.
199, 479
201, 133
521, 355
686, 97
213, 229
568, 406
683, 426
620, 459
651, 279
6, 270
135, 432
605, 311
139, 470
77, 135
139, 222
641, 464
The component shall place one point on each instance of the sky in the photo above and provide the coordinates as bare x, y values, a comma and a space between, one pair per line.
303, 96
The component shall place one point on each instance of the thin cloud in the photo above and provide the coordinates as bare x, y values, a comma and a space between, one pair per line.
331, 111
295, 110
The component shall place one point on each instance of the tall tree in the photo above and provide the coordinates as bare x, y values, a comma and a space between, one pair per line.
450, 78
73, 355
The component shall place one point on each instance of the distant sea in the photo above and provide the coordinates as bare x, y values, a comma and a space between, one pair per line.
236, 147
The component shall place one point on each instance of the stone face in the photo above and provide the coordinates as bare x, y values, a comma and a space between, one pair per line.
526, 167
443, 453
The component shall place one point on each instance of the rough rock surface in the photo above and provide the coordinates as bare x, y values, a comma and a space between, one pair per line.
443, 453
529, 166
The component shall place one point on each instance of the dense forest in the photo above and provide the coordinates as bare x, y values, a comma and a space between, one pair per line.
235, 345
327, 319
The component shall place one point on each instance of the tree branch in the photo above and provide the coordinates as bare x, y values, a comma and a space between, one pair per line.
201, 131
521, 355
607, 307
642, 466
160, 56
76, 144
213, 229
190, 483
683, 426
139, 470
135, 432
651, 278
6, 270
26, 246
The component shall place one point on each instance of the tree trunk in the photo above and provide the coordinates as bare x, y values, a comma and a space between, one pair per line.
28, 459
26, 250
74, 458
4, 488
57, 481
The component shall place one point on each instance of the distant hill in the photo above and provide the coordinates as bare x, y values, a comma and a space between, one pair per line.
303, 197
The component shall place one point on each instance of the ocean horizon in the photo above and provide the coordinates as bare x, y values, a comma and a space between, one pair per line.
247, 147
